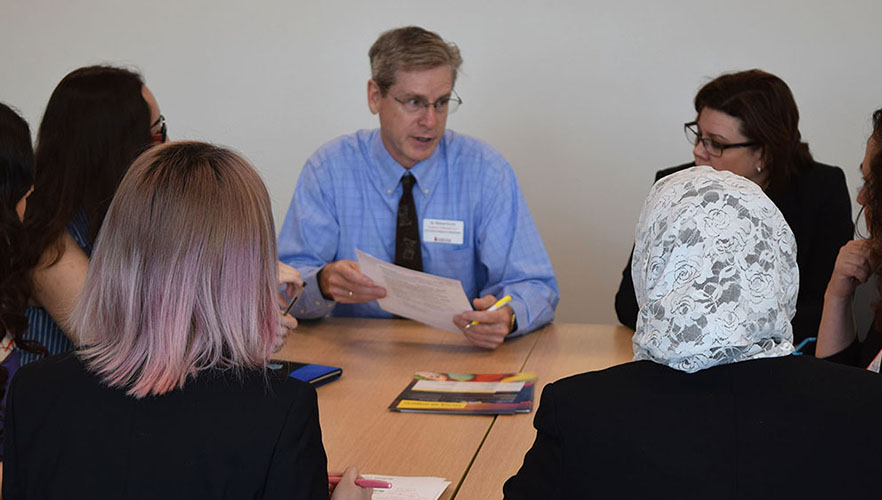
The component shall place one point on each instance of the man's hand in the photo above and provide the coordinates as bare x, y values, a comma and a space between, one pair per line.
492, 327
343, 281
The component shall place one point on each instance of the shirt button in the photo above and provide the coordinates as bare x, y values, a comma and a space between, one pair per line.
388, 191
426, 191
318, 303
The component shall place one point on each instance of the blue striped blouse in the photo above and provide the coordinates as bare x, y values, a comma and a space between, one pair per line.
41, 326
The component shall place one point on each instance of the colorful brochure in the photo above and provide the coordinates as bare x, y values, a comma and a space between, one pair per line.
467, 393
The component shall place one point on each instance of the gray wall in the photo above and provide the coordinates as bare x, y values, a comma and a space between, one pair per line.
585, 99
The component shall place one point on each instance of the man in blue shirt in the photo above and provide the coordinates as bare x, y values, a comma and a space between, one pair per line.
360, 190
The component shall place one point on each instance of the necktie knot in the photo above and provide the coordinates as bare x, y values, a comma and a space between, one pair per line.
407, 182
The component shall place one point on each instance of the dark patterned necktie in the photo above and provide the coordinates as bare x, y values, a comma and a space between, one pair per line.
407, 232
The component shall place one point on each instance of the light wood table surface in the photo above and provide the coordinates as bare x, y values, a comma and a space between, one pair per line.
561, 350
379, 358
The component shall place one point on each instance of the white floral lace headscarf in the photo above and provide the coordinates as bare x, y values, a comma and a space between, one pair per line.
714, 272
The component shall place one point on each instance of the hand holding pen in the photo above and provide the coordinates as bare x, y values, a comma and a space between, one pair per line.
351, 487
362, 483
489, 324
293, 300
290, 278
495, 307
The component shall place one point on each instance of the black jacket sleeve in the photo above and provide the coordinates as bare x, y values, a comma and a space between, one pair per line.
541, 475
299, 467
821, 220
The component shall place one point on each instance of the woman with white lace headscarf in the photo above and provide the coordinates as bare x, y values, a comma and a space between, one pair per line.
714, 405
714, 272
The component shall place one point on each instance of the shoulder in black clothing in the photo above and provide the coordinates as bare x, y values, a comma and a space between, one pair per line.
787, 427
672, 170
225, 434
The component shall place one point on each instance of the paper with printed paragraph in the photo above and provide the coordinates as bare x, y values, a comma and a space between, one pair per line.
432, 300
409, 487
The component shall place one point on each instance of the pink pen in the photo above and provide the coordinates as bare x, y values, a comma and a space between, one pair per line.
363, 483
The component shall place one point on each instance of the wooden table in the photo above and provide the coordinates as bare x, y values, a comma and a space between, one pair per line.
379, 357
562, 350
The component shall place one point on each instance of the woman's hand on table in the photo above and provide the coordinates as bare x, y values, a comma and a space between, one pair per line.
346, 489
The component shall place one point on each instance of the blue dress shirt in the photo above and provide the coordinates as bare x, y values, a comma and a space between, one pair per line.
347, 198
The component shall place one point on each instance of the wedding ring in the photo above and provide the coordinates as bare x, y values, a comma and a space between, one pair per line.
350, 293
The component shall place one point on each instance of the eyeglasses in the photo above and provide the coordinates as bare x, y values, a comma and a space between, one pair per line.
712, 147
447, 104
162, 134
861, 232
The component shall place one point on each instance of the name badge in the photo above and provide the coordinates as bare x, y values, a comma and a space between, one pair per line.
443, 231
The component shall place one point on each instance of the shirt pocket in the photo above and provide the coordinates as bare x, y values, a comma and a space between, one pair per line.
453, 261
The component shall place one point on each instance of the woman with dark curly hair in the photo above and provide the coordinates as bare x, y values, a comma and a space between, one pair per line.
858, 260
16, 184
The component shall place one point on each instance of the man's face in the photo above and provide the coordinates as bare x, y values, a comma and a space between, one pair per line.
411, 137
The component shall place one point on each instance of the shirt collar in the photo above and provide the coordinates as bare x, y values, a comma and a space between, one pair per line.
389, 171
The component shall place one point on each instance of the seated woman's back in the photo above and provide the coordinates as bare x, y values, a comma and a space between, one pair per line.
170, 397
715, 405
223, 435
788, 427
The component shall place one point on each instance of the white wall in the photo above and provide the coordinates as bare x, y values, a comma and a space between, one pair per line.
585, 98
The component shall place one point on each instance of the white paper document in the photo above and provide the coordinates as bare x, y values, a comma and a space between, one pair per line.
429, 299
455, 386
409, 488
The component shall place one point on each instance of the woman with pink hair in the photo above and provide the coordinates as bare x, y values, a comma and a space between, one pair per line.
169, 397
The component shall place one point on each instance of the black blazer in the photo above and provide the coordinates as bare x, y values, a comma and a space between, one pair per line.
817, 207
788, 427
221, 436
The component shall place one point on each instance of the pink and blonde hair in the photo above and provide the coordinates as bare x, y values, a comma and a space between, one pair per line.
183, 274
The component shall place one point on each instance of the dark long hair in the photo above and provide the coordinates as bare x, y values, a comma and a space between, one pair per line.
769, 117
16, 178
96, 123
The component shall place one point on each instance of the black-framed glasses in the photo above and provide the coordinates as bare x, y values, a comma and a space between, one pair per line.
712, 147
162, 134
448, 104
